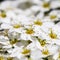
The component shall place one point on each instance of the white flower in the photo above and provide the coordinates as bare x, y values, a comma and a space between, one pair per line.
58, 23
54, 15
46, 26
24, 20
36, 54
49, 50
35, 9
6, 26
20, 53
28, 14
13, 35
44, 6
4, 40
55, 4
30, 30
57, 55
16, 52
5, 4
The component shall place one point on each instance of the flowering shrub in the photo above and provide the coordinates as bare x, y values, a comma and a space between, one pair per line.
30, 30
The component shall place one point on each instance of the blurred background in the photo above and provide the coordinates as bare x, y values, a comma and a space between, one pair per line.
16, 3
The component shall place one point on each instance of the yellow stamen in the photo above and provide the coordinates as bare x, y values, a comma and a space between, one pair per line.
38, 22
29, 31
53, 17
59, 55
42, 42
45, 52
17, 26
3, 14
10, 58
53, 35
46, 5
1, 58
25, 51
13, 41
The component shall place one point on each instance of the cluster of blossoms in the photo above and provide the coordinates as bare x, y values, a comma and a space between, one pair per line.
30, 30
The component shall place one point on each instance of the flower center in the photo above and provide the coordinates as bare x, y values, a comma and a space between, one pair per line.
38, 22
42, 42
3, 14
59, 56
45, 52
53, 17
53, 35
25, 51
1, 58
16, 26
29, 31
10, 58
13, 41
46, 5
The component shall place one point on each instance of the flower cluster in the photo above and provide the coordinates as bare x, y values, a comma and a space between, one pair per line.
30, 30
